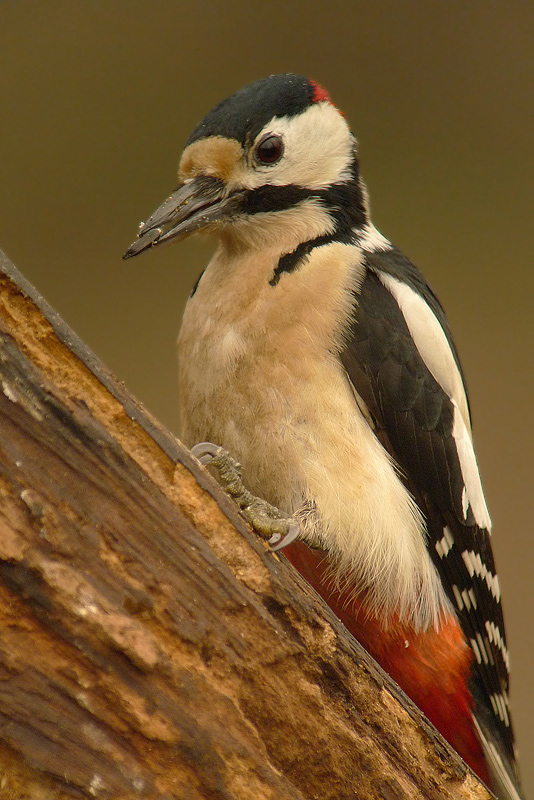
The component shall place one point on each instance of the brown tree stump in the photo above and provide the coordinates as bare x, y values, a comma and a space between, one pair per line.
150, 644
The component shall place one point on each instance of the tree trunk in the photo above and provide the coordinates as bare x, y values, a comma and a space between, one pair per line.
151, 646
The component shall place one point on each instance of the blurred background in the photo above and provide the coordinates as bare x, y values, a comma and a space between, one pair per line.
97, 99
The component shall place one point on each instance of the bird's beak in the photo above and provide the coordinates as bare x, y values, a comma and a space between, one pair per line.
196, 204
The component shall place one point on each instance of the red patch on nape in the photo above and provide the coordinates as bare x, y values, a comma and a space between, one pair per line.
319, 94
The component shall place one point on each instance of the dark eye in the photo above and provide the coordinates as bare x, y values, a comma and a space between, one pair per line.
269, 149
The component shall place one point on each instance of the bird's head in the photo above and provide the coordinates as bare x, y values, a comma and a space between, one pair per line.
275, 160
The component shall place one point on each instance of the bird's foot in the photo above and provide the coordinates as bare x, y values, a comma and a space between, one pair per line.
266, 520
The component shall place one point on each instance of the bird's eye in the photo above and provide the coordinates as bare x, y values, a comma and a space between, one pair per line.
270, 149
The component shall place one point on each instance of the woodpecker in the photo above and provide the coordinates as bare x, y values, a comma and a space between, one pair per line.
317, 354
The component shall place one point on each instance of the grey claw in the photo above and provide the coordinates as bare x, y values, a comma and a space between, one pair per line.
263, 517
277, 541
205, 452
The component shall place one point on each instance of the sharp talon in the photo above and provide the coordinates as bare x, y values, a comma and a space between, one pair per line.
277, 541
263, 517
205, 452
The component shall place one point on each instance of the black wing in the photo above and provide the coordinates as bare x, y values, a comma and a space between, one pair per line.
414, 421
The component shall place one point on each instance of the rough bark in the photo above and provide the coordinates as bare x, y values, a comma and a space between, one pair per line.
150, 645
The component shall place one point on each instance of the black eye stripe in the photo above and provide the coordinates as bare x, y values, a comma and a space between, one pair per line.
269, 149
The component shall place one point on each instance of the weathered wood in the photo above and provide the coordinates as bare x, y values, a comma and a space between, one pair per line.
150, 645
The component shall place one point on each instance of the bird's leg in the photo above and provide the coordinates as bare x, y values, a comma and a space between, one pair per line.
266, 520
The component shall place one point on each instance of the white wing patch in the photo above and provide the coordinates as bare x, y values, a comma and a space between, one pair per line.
431, 342
473, 494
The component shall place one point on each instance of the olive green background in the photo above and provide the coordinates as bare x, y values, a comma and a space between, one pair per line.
98, 96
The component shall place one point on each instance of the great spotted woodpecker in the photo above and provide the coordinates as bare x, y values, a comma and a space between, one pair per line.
316, 353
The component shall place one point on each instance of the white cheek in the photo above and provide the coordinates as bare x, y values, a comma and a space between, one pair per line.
318, 150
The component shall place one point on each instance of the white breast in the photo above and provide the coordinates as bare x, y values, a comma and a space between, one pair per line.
259, 375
